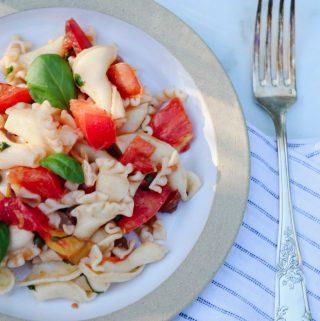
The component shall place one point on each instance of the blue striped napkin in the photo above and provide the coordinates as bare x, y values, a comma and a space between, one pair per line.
243, 289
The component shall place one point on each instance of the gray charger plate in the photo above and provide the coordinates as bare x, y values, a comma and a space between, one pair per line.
232, 151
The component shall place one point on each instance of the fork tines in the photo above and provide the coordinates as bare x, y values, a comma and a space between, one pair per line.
282, 71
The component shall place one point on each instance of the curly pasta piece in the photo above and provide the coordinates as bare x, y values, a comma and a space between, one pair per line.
167, 167
7, 280
19, 154
92, 65
21, 248
100, 270
15, 71
134, 118
90, 217
113, 179
37, 126
122, 252
105, 237
67, 290
168, 94
90, 173
53, 47
51, 272
138, 100
154, 232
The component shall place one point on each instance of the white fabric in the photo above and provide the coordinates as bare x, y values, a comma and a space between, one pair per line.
243, 288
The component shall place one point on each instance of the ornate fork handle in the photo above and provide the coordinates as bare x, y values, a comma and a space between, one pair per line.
290, 295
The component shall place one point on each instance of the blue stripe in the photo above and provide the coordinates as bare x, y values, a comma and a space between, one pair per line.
272, 218
295, 145
257, 233
249, 278
255, 180
187, 317
273, 146
242, 299
256, 156
304, 188
255, 257
309, 166
306, 214
314, 153
303, 237
212, 306
273, 269
305, 164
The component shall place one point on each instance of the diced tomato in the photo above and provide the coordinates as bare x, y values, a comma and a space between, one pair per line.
171, 203
38, 180
75, 38
95, 123
125, 79
146, 205
172, 125
138, 154
11, 95
14, 212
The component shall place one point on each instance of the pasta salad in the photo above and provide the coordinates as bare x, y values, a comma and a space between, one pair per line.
88, 157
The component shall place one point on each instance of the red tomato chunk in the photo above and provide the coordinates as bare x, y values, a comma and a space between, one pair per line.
38, 180
172, 125
14, 212
146, 206
75, 38
125, 79
11, 95
138, 154
95, 123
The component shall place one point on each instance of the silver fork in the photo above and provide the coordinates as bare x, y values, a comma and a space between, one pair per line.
274, 88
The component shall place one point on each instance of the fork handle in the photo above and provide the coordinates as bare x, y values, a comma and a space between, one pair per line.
291, 302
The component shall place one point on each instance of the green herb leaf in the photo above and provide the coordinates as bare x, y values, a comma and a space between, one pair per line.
3, 146
4, 240
32, 287
9, 70
38, 241
78, 80
50, 78
65, 166
90, 286
58, 238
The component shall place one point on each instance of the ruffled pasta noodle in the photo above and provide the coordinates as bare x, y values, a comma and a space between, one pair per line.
21, 248
167, 167
7, 280
10, 62
151, 233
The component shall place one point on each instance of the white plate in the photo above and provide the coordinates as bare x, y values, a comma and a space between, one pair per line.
157, 69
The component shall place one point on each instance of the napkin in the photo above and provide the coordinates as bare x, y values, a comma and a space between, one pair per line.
243, 288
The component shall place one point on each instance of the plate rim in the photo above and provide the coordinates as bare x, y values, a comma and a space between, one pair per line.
232, 151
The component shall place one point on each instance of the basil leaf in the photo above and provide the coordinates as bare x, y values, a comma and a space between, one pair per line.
32, 287
9, 70
78, 80
50, 78
64, 166
4, 240
3, 146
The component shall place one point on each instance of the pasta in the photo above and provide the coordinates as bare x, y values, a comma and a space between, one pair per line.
82, 173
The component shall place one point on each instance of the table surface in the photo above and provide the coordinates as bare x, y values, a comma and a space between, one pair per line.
227, 27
